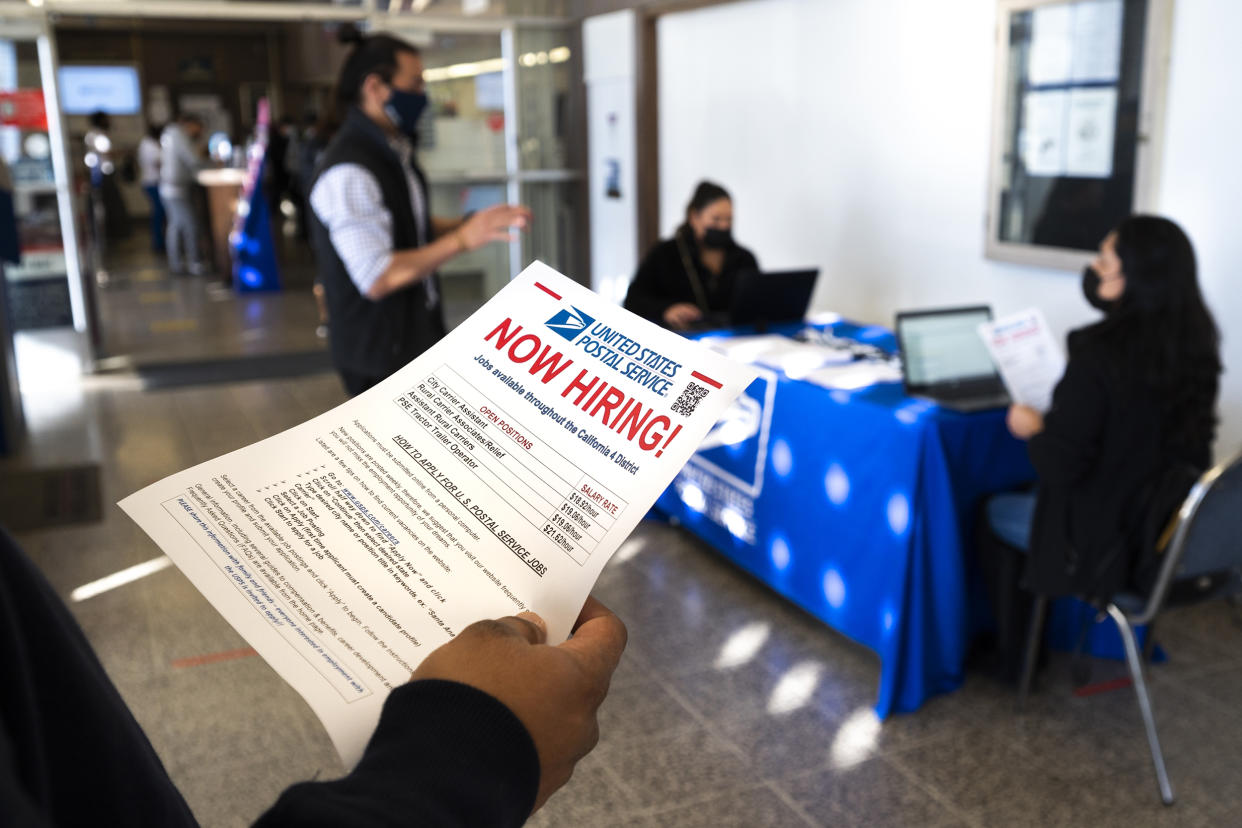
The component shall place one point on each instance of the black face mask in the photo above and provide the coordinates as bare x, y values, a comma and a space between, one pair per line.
1091, 291
404, 109
717, 239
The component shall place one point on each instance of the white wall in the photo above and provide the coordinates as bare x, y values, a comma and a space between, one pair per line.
854, 136
608, 48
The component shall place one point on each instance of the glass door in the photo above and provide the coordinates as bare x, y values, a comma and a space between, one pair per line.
500, 128
462, 149
548, 176
44, 289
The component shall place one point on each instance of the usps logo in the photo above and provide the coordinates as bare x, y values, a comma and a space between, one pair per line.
569, 323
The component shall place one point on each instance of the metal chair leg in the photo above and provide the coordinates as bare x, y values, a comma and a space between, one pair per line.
1144, 700
1033, 639
1149, 642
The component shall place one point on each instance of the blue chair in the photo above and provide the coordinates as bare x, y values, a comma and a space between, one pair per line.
1203, 558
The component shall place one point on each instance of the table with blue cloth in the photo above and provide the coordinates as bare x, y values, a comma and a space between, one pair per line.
859, 506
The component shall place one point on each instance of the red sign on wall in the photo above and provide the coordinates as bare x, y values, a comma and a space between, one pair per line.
23, 108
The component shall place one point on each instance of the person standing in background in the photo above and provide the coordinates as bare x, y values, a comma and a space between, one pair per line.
180, 163
376, 243
279, 145
149, 153
111, 218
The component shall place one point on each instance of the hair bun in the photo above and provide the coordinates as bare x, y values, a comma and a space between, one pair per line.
347, 34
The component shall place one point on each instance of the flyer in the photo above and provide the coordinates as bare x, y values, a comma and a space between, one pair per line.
1028, 358
1042, 140
1090, 120
496, 473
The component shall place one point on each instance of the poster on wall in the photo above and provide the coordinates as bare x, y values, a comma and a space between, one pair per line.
1042, 141
1090, 117
1051, 56
1075, 43
23, 108
1097, 41
489, 91
612, 178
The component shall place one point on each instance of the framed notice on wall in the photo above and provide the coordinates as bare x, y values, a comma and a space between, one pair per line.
1076, 120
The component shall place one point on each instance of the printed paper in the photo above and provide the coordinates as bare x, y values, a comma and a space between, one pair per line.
497, 472
1029, 360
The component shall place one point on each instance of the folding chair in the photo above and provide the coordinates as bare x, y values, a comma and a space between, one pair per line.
1205, 552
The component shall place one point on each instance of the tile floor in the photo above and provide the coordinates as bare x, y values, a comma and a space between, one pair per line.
147, 315
730, 708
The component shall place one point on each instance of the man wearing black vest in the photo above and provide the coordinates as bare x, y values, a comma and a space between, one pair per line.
376, 242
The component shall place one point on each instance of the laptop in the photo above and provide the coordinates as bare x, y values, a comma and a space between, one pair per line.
763, 298
943, 359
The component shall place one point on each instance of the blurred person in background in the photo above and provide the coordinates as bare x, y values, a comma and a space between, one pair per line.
149, 153
693, 274
180, 162
376, 243
279, 181
108, 207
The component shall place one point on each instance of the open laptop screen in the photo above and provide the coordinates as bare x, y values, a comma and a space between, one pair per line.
772, 296
940, 347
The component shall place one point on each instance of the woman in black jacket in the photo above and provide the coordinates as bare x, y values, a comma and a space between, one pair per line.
1137, 403
695, 272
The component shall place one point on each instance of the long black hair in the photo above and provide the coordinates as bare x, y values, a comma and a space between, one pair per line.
370, 55
707, 192
1161, 332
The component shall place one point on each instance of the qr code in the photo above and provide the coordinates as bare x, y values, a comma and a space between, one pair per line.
689, 399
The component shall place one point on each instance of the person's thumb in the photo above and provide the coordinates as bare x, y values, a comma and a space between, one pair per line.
599, 639
528, 625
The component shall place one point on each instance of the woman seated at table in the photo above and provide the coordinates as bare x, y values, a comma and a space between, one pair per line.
1137, 402
695, 272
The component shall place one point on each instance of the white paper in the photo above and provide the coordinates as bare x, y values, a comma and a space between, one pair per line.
1092, 115
1042, 141
793, 358
1028, 358
497, 472
1051, 56
1075, 43
1097, 41
856, 375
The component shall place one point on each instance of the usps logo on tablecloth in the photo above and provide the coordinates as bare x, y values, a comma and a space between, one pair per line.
735, 450
570, 322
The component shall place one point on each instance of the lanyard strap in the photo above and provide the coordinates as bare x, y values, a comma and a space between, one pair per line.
695, 282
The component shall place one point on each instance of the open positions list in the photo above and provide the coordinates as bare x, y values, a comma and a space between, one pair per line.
549, 491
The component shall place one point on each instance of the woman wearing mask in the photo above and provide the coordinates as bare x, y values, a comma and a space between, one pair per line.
1137, 402
694, 273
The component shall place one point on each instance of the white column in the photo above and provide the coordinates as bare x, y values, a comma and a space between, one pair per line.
609, 50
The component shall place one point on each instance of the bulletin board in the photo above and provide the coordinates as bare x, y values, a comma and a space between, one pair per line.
1076, 120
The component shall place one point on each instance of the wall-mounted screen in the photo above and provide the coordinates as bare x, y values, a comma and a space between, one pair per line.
88, 89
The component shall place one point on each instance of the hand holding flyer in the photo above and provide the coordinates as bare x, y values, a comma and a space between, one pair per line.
1029, 360
498, 472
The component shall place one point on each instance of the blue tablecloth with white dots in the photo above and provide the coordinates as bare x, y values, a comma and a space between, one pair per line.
858, 506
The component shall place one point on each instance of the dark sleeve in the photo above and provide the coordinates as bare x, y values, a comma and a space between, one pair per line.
651, 291
1073, 432
71, 752
443, 754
